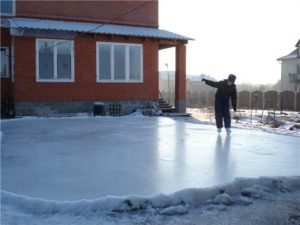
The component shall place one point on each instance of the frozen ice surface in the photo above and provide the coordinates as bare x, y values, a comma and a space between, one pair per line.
88, 158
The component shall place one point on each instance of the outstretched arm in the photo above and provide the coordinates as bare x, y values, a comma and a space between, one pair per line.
211, 83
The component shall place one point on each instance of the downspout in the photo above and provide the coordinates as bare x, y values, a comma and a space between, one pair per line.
12, 59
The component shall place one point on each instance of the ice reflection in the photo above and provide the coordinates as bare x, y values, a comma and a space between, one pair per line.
224, 163
171, 154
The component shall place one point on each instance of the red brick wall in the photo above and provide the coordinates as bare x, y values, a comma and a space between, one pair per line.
85, 87
180, 90
142, 13
6, 83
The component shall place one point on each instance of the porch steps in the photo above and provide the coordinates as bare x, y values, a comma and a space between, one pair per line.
169, 110
165, 107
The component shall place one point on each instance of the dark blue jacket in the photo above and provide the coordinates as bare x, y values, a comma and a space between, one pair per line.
224, 91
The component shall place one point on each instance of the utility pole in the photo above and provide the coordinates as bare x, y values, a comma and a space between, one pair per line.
168, 81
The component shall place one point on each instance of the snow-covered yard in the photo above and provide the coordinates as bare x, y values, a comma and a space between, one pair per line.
270, 121
145, 170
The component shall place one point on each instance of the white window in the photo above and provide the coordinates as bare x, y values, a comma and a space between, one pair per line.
54, 60
4, 62
8, 7
119, 62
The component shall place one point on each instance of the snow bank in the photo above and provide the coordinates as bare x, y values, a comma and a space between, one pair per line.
255, 119
240, 192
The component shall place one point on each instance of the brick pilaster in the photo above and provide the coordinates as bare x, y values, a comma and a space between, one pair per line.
180, 80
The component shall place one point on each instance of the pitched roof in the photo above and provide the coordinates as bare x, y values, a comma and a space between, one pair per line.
97, 28
292, 55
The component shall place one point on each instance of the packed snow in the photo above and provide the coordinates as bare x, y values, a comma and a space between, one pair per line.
244, 201
168, 172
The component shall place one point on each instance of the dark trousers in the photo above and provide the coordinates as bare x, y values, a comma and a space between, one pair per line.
222, 111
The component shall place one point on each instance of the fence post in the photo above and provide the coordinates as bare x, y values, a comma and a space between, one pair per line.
263, 101
279, 101
298, 101
250, 100
295, 101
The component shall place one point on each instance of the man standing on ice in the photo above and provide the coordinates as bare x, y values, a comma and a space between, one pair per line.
226, 90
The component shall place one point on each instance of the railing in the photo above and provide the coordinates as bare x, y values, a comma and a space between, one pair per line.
294, 77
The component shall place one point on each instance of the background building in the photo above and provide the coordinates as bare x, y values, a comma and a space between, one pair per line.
290, 70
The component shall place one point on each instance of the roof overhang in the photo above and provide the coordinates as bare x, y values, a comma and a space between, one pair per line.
292, 55
21, 26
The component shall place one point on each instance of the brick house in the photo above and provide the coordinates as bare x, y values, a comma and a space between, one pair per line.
63, 56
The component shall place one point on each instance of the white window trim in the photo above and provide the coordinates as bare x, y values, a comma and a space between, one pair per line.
6, 62
127, 69
13, 10
55, 80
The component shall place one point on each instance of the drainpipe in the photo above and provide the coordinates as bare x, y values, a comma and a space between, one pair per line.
12, 59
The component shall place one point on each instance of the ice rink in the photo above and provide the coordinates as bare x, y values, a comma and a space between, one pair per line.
87, 158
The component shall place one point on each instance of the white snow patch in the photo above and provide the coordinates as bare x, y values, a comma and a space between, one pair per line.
254, 119
175, 210
224, 199
138, 112
210, 206
250, 188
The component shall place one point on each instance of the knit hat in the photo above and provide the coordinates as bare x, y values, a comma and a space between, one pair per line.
231, 78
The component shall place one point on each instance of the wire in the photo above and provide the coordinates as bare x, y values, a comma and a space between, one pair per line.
123, 14
101, 25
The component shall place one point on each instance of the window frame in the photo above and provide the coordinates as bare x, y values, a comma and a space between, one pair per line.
55, 75
13, 13
112, 60
6, 49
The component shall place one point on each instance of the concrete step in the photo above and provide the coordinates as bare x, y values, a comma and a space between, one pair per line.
164, 106
169, 110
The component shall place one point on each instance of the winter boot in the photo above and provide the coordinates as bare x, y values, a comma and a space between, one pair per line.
228, 130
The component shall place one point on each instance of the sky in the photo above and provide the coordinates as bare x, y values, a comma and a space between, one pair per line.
243, 37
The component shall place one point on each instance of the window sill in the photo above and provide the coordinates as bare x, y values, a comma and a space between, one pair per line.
55, 81
119, 81
8, 14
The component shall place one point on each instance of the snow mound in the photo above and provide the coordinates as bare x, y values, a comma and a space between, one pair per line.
175, 210
224, 199
242, 191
